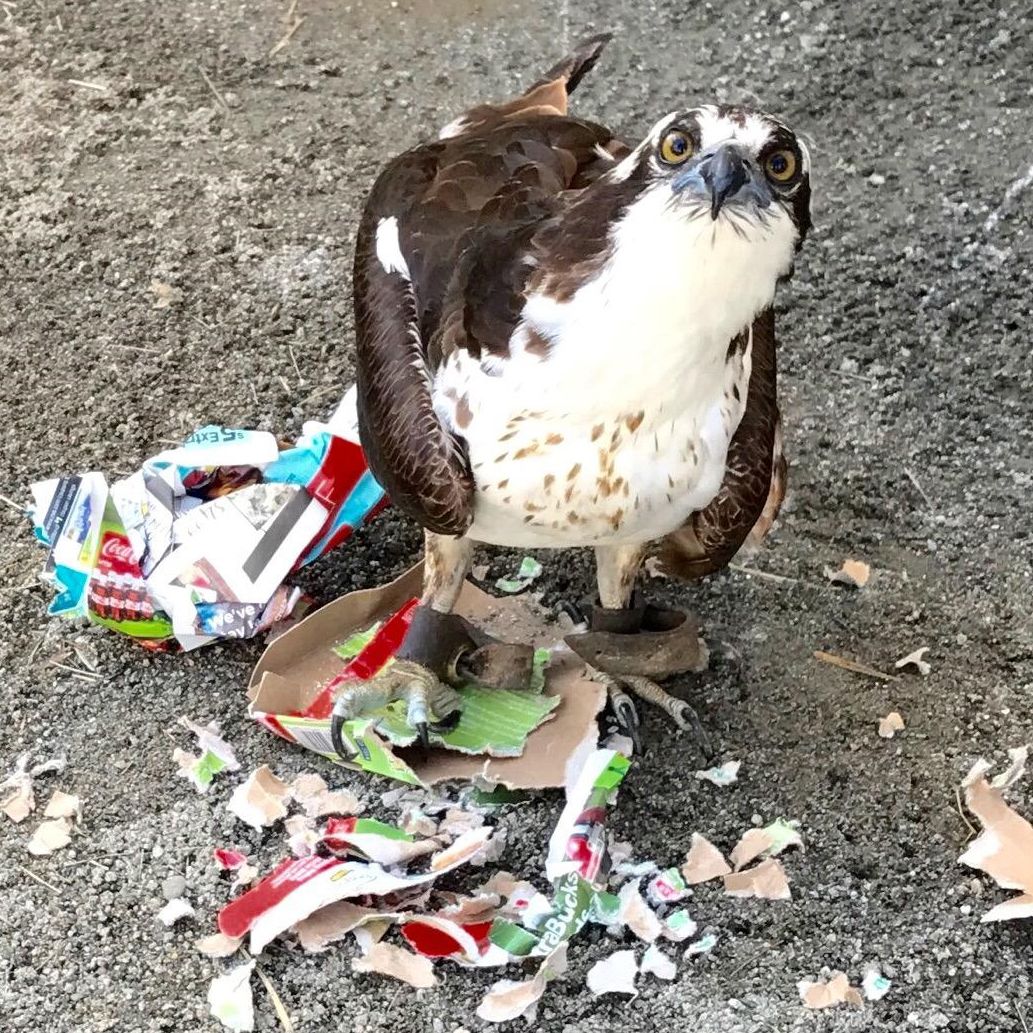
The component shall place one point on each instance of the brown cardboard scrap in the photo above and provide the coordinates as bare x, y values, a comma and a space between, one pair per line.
703, 862
174, 910
388, 960
766, 881
826, 995
656, 963
332, 923
1004, 849
916, 660
854, 573
614, 975
636, 914
218, 945
317, 800
890, 725
294, 668
770, 840
51, 835
63, 805
508, 1000
752, 844
260, 800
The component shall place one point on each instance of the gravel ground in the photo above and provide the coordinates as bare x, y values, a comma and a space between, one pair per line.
161, 142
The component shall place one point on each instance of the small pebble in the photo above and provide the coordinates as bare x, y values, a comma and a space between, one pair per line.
174, 886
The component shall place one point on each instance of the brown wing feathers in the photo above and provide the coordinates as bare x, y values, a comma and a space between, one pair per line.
465, 209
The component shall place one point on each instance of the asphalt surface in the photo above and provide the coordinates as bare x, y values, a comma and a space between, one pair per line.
906, 380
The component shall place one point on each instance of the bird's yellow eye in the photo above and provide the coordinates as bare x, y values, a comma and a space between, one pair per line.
676, 147
781, 166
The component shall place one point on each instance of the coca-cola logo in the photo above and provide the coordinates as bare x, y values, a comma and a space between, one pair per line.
117, 550
116, 556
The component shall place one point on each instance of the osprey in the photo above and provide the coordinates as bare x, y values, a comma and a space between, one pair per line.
566, 341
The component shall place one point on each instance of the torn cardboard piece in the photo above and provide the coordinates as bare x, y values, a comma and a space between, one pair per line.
197, 544
508, 1000
298, 888
916, 660
527, 573
890, 725
216, 755
656, 963
768, 841
260, 800
230, 999
722, 775
388, 960
218, 945
703, 861
614, 975
1004, 849
63, 805
17, 799
330, 924
550, 731
853, 573
52, 834
766, 881
828, 994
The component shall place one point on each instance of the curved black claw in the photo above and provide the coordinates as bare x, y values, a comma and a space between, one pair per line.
423, 733
628, 721
341, 748
688, 720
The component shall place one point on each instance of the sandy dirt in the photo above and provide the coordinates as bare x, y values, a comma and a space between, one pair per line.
906, 380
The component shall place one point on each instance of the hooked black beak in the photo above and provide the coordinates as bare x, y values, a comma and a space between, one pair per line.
724, 173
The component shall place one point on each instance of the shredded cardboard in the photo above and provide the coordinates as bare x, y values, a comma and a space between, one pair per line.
614, 975
260, 800
703, 862
679, 926
17, 799
215, 755
388, 960
667, 887
63, 805
298, 888
890, 725
230, 999
875, 985
527, 573
704, 945
175, 910
768, 841
853, 573
229, 860
1004, 849
218, 945
636, 914
508, 1000
656, 963
915, 660
316, 798
766, 881
828, 994
723, 775
333, 923
52, 834
514, 740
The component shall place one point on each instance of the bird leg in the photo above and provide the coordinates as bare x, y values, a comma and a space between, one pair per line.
628, 644
440, 651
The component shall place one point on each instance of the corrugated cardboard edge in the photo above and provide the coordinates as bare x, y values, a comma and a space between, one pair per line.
300, 661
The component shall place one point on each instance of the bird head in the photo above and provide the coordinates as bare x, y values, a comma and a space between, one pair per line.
727, 164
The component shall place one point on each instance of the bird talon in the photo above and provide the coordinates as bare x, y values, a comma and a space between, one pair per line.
423, 734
